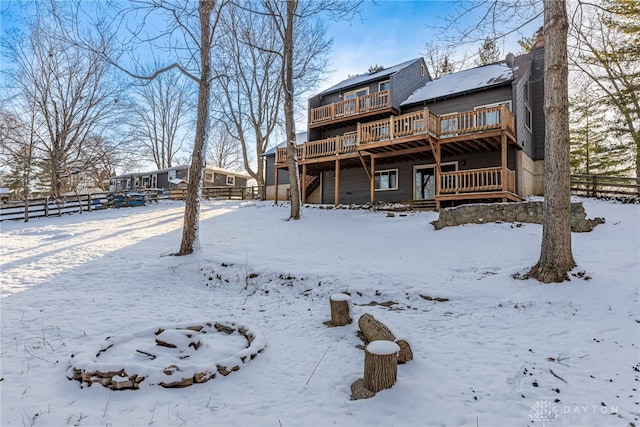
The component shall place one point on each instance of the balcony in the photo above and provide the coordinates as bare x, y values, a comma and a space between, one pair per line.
377, 102
393, 132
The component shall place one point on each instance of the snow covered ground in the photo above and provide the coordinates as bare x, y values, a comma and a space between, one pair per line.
499, 352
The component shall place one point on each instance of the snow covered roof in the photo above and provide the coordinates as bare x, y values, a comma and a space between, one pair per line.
301, 138
182, 167
369, 77
463, 81
177, 181
4, 190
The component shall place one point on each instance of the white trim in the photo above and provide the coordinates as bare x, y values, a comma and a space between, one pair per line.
380, 172
508, 103
425, 166
233, 180
355, 92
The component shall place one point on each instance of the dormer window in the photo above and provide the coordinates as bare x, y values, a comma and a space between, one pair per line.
386, 85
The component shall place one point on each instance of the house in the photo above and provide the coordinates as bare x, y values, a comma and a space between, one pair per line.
175, 178
5, 194
396, 135
283, 177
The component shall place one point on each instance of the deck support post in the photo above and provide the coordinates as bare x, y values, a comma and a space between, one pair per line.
436, 155
372, 182
276, 185
336, 184
303, 183
504, 177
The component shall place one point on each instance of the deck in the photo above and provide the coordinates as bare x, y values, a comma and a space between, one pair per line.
407, 135
360, 107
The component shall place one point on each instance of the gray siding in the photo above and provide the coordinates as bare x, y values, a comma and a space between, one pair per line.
406, 81
355, 185
524, 136
537, 91
219, 180
283, 175
163, 180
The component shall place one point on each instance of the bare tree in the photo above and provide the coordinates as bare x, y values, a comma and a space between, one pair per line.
189, 35
224, 150
251, 100
161, 115
556, 257
440, 60
19, 141
71, 90
291, 21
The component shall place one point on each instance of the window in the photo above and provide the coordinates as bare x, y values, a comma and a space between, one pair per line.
384, 85
350, 139
492, 117
528, 116
356, 93
231, 180
448, 124
386, 180
423, 70
350, 107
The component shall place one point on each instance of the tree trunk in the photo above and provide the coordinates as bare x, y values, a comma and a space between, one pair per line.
339, 304
292, 157
374, 330
198, 157
556, 258
380, 365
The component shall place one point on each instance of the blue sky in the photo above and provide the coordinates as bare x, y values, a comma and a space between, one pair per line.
389, 32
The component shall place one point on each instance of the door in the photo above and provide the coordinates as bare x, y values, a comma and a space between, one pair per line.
425, 179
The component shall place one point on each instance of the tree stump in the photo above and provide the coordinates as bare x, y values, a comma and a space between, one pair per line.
339, 304
380, 365
374, 330
405, 353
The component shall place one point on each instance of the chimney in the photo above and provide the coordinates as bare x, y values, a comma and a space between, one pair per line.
539, 39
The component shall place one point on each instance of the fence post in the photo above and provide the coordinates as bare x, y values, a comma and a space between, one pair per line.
594, 184
46, 207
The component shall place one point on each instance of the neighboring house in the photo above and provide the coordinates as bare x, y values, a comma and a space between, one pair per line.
5, 194
397, 136
175, 178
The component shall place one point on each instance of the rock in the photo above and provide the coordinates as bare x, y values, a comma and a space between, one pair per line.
358, 391
405, 354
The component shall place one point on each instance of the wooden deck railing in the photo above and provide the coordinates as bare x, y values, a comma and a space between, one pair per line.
416, 123
397, 127
351, 107
325, 147
475, 121
477, 180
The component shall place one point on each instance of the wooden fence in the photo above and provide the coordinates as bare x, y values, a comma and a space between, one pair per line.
606, 186
229, 193
48, 206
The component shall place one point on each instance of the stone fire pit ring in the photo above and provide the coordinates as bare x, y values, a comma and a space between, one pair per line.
171, 356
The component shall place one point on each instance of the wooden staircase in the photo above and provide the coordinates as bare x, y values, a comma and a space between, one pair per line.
312, 183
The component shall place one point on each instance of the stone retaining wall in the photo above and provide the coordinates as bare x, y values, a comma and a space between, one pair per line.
528, 212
